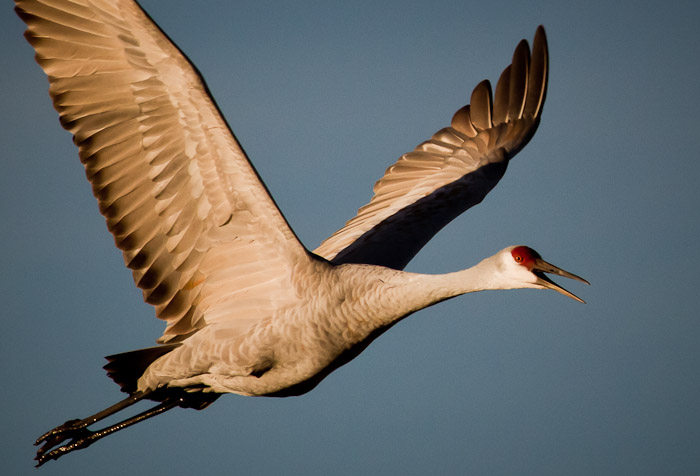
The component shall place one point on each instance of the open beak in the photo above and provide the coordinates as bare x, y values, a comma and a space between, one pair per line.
541, 267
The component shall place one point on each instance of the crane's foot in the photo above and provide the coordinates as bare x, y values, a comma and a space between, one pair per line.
58, 434
80, 438
69, 430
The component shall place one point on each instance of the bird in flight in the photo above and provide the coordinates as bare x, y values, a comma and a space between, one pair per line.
248, 309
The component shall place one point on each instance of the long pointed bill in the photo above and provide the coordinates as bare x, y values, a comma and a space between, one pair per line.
541, 267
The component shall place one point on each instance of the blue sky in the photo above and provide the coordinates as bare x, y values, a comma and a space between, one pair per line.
324, 96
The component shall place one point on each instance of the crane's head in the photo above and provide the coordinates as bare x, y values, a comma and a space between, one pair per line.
525, 265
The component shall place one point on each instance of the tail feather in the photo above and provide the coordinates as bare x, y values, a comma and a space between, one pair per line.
126, 368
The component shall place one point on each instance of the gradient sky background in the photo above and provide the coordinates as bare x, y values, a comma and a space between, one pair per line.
324, 96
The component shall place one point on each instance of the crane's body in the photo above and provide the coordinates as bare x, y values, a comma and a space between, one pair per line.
249, 310
335, 309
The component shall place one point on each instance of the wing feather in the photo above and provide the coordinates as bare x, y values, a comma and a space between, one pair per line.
453, 171
177, 191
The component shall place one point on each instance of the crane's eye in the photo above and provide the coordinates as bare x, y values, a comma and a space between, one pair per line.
518, 258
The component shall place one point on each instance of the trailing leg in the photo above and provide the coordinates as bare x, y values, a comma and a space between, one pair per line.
73, 428
80, 437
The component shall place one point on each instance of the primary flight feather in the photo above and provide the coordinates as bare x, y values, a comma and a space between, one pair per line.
249, 309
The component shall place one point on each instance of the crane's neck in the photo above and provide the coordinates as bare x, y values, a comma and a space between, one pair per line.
391, 295
424, 290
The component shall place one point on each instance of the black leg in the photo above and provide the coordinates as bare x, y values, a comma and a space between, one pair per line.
71, 428
81, 437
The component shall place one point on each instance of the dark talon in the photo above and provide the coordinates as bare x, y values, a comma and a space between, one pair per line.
59, 435
83, 439
56, 432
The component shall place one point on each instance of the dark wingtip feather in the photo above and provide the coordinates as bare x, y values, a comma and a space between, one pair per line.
480, 105
539, 70
519, 80
462, 122
520, 89
501, 97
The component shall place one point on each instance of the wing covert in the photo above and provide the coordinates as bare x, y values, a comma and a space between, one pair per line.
453, 171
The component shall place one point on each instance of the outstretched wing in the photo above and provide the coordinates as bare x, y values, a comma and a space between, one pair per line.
194, 221
453, 171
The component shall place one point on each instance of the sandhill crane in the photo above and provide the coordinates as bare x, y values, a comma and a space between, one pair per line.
249, 309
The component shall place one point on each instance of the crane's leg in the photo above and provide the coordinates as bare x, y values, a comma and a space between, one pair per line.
80, 437
73, 427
